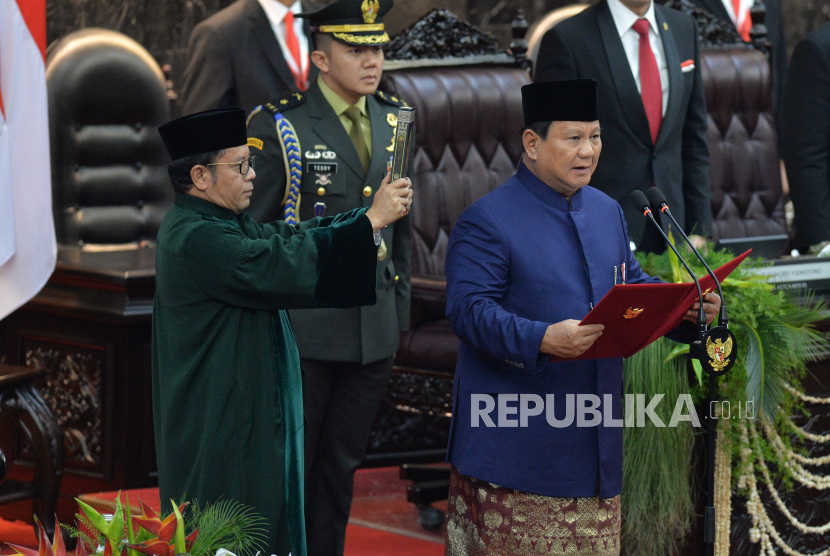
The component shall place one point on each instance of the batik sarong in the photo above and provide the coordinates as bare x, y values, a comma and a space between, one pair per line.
486, 519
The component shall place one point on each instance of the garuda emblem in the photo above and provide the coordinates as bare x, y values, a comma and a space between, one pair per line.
719, 353
632, 313
370, 10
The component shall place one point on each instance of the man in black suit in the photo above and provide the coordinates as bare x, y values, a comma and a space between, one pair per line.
725, 10
247, 54
652, 135
805, 144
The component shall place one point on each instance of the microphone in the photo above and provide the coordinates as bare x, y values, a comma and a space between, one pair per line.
716, 343
719, 342
640, 201
658, 199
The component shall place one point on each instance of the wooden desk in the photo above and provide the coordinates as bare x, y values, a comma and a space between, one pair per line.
20, 399
88, 334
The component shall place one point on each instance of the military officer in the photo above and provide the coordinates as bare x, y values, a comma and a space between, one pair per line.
324, 152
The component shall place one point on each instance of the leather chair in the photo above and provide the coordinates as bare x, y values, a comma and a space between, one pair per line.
107, 96
468, 141
743, 147
747, 200
468, 127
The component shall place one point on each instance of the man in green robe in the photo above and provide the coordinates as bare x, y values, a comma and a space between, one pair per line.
227, 385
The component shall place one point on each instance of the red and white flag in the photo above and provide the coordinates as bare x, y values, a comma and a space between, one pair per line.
27, 231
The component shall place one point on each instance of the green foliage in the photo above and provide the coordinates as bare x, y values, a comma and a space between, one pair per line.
657, 496
227, 524
91, 543
775, 335
775, 338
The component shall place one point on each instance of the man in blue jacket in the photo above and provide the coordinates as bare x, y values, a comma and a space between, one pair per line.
525, 264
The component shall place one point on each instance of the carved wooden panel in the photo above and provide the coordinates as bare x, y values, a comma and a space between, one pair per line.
414, 415
440, 34
711, 31
73, 391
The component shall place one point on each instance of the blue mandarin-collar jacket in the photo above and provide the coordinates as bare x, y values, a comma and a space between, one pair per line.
519, 259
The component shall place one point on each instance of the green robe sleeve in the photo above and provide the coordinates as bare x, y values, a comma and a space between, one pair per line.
327, 262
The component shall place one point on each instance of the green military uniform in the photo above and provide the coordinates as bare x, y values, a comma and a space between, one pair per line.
227, 384
309, 162
366, 338
332, 174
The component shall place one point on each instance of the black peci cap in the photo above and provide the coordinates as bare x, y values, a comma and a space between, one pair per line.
560, 101
358, 22
205, 132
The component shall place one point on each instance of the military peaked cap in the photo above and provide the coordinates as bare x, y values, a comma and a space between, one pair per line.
358, 22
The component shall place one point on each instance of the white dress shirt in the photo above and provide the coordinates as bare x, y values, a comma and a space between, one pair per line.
624, 19
730, 9
275, 11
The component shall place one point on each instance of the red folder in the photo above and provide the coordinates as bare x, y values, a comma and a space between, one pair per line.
635, 315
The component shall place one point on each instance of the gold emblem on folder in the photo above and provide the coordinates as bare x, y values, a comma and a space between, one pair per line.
707, 290
632, 313
719, 352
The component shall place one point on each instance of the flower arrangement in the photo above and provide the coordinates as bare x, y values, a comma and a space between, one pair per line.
225, 526
776, 338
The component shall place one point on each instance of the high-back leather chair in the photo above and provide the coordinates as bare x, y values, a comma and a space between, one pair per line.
746, 198
109, 166
743, 145
468, 127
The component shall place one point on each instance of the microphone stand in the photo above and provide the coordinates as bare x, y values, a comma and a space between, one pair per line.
656, 196
642, 203
640, 200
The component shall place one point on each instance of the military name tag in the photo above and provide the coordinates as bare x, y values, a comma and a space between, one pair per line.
321, 167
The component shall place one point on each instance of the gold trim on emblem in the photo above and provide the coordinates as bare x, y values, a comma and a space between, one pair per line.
370, 9
632, 313
350, 28
719, 352
362, 39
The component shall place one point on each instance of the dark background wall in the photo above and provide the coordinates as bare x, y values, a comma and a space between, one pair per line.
163, 26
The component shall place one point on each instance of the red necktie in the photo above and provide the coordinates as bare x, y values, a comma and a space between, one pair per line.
650, 88
743, 30
300, 76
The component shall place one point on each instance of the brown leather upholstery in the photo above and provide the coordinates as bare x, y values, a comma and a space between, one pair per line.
468, 140
109, 166
746, 180
468, 126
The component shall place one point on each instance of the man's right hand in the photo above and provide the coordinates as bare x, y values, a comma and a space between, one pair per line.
567, 339
392, 202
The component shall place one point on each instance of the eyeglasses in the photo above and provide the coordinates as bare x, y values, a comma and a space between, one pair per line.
244, 165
